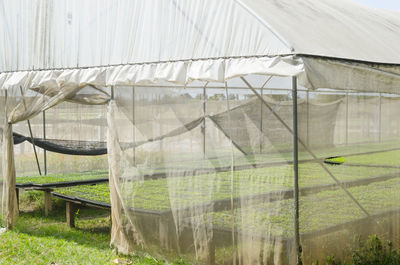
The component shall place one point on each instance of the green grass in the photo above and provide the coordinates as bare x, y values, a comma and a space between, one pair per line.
47, 240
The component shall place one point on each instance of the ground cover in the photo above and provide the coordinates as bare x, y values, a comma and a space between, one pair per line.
47, 240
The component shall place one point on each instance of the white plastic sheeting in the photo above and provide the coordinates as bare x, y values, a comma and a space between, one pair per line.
47, 34
218, 70
139, 42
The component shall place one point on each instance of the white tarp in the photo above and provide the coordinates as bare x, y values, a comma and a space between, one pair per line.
136, 42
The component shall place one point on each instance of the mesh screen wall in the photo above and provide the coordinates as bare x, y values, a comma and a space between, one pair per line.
210, 177
70, 124
205, 172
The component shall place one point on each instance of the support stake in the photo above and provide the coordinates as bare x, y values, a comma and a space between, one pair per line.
44, 138
30, 132
203, 127
296, 172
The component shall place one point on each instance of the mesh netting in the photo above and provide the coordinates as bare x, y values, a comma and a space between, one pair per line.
75, 140
205, 172
208, 174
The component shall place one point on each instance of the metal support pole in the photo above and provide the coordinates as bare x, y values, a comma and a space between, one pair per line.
296, 172
30, 132
44, 138
347, 117
308, 118
261, 122
203, 127
261, 113
380, 117
133, 126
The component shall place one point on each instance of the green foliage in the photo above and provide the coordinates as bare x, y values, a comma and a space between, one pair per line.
339, 160
374, 252
159, 194
330, 260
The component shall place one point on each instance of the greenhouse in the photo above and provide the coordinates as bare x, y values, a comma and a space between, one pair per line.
217, 132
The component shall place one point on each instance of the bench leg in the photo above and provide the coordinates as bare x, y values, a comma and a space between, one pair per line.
47, 202
70, 214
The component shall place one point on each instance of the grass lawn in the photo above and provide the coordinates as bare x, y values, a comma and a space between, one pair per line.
47, 240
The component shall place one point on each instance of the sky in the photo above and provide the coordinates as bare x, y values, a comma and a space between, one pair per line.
386, 4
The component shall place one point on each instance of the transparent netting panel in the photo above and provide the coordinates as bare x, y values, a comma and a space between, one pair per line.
71, 131
73, 134
81, 128
348, 190
198, 177
25, 161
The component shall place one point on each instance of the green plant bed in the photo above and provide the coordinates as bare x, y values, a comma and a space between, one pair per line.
191, 161
391, 158
317, 211
181, 192
56, 178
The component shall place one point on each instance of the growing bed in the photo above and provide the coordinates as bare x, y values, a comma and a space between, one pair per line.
61, 180
153, 194
263, 196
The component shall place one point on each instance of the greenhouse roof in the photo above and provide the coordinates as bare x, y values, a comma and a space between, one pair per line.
105, 43
68, 34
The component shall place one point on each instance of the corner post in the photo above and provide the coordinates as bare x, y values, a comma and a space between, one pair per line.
296, 172
44, 138
203, 126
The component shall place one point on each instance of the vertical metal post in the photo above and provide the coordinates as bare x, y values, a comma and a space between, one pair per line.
133, 126
347, 117
44, 138
203, 128
308, 119
261, 121
296, 172
380, 117
30, 132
